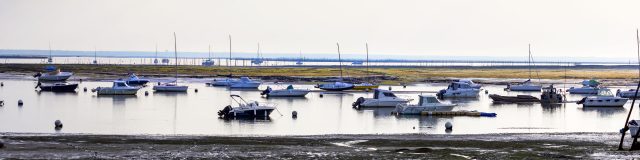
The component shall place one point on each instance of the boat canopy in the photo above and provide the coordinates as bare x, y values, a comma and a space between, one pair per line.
427, 99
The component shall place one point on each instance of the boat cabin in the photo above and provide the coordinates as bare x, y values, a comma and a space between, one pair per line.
119, 84
457, 85
427, 99
605, 93
379, 93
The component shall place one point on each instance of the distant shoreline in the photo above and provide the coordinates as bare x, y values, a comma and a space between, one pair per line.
614, 75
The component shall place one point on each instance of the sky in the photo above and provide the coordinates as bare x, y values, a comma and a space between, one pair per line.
492, 28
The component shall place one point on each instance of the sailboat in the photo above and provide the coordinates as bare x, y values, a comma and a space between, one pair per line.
208, 62
50, 59
366, 85
95, 56
225, 81
258, 59
339, 85
526, 85
299, 62
172, 86
155, 60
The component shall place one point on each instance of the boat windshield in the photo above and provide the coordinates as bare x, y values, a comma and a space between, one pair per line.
605, 92
387, 94
426, 100
119, 84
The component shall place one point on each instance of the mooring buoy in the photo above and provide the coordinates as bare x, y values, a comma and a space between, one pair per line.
146, 93
196, 90
58, 124
1, 84
404, 86
321, 95
389, 87
294, 114
85, 89
448, 125
158, 83
20, 103
486, 91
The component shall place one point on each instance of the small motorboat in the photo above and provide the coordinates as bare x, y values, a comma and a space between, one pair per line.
336, 86
53, 74
288, 92
134, 80
634, 125
588, 87
365, 86
222, 82
170, 87
426, 103
245, 83
604, 99
458, 90
246, 109
208, 62
381, 98
627, 94
550, 95
57, 87
513, 99
470, 83
119, 87
525, 86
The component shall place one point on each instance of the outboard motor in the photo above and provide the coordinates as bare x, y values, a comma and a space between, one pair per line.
37, 75
266, 91
357, 103
440, 94
225, 111
582, 100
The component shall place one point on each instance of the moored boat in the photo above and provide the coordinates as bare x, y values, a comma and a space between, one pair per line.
525, 86
119, 88
513, 99
604, 99
246, 109
57, 87
381, 98
245, 83
133, 80
550, 95
426, 103
588, 87
53, 74
222, 82
336, 86
458, 90
288, 92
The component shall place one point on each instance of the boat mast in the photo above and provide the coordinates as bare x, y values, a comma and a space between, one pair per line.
367, 46
529, 63
339, 60
175, 45
229, 62
95, 55
626, 124
50, 57
209, 51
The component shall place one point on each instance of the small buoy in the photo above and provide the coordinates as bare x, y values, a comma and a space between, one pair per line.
158, 83
486, 91
321, 95
448, 125
57, 124
146, 93
1, 143
1, 84
389, 87
414, 127
196, 90
294, 114
20, 103
81, 80
404, 86
85, 89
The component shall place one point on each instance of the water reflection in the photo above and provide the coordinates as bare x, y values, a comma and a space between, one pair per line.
605, 111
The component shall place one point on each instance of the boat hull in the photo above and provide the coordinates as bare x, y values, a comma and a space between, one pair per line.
513, 99
111, 91
249, 113
525, 88
60, 88
370, 102
288, 93
604, 102
137, 82
583, 90
170, 88
252, 85
62, 76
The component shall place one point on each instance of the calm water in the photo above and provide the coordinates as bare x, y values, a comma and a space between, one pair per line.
195, 113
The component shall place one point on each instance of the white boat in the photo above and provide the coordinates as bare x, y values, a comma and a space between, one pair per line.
172, 86
119, 88
588, 87
426, 103
525, 86
627, 94
604, 99
246, 109
245, 82
634, 125
381, 98
288, 92
55, 75
222, 81
336, 86
459, 90
470, 83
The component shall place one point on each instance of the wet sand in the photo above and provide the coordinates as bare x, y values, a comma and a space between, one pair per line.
409, 146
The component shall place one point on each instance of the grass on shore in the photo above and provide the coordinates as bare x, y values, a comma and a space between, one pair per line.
404, 75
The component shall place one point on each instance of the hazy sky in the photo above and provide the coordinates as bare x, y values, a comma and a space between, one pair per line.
563, 28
